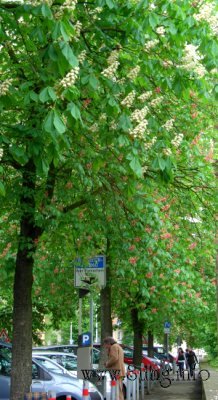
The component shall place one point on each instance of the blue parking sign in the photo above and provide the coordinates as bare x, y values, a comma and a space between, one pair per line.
167, 324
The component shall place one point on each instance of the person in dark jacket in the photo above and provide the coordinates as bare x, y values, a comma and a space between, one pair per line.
191, 361
181, 361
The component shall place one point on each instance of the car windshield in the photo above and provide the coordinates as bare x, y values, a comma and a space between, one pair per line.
50, 365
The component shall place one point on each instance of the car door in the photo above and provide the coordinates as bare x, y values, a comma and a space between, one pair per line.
41, 379
5, 370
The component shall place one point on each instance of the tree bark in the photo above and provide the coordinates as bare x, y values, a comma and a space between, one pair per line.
137, 339
21, 376
150, 344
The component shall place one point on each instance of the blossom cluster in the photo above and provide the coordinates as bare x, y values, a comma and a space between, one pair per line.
68, 4
168, 125
134, 72
70, 78
157, 101
148, 145
144, 96
4, 86
191, 60
139, 130
161, 31
150, 44
81, 57
167, 151
206, 13
111, 71
177, 140
138, 115
77, 27
129, 99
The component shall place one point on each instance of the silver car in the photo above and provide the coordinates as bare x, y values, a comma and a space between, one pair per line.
45, 380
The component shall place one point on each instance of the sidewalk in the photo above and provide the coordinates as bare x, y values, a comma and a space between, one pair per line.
178, 390
210, 387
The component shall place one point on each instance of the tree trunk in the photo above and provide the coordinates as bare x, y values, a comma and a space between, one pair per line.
150, 344
137, 339
21, 375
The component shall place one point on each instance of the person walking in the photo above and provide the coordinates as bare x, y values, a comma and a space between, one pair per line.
181, 361
115, 361
191, 361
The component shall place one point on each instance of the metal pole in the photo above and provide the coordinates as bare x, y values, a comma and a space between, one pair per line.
80, 317
91, 325
71, 333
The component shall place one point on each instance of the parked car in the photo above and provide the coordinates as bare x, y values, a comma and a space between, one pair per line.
66, 360
148, 362
72, 349
44, 380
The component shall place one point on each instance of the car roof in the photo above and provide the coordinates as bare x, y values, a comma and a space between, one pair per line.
58, 353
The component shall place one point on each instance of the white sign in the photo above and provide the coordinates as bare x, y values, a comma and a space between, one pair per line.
166, 330
91, 273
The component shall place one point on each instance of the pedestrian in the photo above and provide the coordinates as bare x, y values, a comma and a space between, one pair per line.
181, 361
115, 361
191, 361
186, 357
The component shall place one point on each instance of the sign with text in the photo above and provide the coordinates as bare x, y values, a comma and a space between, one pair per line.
90, 272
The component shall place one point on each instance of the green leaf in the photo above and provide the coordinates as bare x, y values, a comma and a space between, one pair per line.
48, 122
19, 154
136, 166
74, 110
110, 4
58, 123
68, 54
161, 163
47, 94
52, 93
43, 95
124, 122
153, 20
63, 32
2, 189
46, 12
93, 81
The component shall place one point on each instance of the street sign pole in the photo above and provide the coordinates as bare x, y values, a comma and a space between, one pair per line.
91, 325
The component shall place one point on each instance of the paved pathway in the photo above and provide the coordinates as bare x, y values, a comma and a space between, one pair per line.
178, 390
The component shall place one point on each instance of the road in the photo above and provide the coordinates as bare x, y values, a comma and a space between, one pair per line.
178, 390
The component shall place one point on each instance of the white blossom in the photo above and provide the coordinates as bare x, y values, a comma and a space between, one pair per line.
150, 44
113, 57
129, 99
160, 30
68, 4
167, 152
177, 140
148, 145
140, 129
144, 96
191, 60
81, 57
1, 153
205, 13
134, 72
168, 125
111, 71
70, 78
94, 128
138, 115
4, 86
152, 6
157, 101
167, 63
